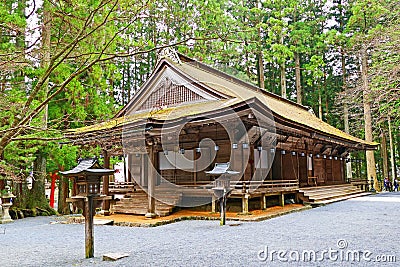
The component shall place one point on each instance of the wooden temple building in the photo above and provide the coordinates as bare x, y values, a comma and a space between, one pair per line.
188, 116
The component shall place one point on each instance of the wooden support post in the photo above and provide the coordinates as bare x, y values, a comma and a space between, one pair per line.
263, 202
89, 242
245, 204
282, 199
143, 171
222, 202
130, 167
195, 157
106, 181
213, 202
151, 180
74, 192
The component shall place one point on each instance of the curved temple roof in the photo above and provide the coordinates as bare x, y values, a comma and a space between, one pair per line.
223, 91
87, 166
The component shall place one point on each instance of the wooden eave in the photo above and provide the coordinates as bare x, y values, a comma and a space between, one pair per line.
300, 129
153, 127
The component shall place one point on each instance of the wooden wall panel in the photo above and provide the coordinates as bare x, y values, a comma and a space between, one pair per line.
303, 170
289, 167
276, 167
336, 170
328, 166
319, 169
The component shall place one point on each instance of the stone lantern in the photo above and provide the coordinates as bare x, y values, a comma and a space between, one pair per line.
5, 205
87, 177
222, 188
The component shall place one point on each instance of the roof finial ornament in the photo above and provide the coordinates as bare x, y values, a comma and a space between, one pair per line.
169, 52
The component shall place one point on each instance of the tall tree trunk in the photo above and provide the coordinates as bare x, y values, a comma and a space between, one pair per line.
326, 98
385, 165
260, 63
369, 154
260, 70
346, 113
299, 91
319, 102
283, 73
392, 159
297, 72
349, 171
283, 80
63, 194
37, 194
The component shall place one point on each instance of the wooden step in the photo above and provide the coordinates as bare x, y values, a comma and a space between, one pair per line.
137, 202
323, 188
128, 210
328, 201
332, 196
327, 194
332, 192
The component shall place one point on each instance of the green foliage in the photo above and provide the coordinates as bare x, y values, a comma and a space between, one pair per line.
101, 52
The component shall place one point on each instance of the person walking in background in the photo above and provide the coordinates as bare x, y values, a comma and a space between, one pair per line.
386, 184
396, 185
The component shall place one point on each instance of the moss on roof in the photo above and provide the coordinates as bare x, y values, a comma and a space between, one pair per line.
230, 86
282, 107
164, 114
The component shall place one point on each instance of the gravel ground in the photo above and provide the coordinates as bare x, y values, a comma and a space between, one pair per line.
369, 224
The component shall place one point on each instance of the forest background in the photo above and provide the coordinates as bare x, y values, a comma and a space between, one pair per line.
69, 63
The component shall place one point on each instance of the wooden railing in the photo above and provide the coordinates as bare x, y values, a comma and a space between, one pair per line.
243, 186
270, 185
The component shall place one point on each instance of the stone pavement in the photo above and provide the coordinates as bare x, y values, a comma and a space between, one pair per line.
357, 232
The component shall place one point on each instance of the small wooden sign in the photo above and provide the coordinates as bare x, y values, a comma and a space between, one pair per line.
114, 256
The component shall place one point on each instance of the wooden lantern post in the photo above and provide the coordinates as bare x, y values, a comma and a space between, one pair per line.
87, 176
222, 188
222, 191
89, 241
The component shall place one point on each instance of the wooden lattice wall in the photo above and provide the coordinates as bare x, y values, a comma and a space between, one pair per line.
169, 94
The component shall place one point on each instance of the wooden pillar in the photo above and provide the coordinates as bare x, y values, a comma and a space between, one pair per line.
245, 204
143, 170
89, 242
106, 180
282, 199
151, 180
251, 160
309, 166
263, 202
74, 192
129, 167
298, 167
222, 203
213, 202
